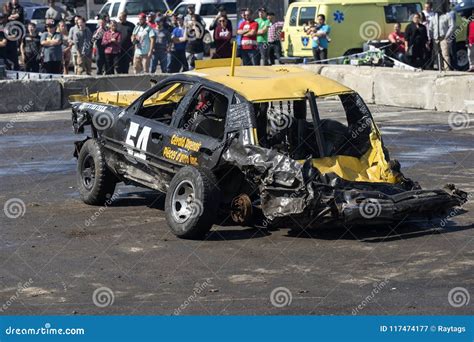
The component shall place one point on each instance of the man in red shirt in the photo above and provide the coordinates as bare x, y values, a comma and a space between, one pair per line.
470, 42
397, 38
248, 30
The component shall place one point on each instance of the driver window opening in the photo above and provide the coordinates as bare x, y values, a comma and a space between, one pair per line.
206, 114
288, 126
161, 105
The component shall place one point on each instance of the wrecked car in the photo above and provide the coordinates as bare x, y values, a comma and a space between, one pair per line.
245, 146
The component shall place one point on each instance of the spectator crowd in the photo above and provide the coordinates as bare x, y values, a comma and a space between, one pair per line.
174, 42
429, 40
168, 41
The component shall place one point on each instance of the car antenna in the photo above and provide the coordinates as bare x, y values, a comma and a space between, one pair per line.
232, 63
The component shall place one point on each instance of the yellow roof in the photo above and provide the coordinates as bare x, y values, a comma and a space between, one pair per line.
272, 83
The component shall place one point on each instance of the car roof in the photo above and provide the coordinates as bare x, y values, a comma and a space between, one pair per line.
272, 83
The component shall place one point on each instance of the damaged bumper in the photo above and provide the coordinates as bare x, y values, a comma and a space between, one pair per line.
375, 207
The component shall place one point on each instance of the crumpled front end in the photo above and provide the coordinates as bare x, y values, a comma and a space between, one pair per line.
290, 188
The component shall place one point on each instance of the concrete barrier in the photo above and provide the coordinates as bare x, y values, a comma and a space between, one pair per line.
443, 91
446, 91
80, 84
48, 95
30, 95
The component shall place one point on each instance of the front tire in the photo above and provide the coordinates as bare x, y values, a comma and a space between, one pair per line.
96, 183
192, 202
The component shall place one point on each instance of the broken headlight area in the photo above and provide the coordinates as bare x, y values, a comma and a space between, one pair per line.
297, 189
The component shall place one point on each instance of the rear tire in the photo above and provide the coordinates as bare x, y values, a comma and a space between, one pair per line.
192, 202
96, 183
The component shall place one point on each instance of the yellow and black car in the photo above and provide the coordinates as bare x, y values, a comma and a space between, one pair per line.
247, 143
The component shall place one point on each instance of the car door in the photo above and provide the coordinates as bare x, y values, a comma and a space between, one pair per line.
139, 131
197, 135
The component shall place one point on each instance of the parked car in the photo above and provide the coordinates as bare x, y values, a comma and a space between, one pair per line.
353, 22
245, 148
35, 13
132, 7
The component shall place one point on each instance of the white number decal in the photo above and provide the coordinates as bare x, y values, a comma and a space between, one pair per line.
142, 140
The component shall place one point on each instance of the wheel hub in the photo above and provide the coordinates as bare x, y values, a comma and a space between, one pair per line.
183, 202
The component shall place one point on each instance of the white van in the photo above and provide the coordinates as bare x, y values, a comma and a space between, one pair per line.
132, 7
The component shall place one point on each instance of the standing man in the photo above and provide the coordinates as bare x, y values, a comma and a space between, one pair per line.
97, 40
143, 38
52, 41
238, 37
397, 38
274, 43
162, 44
71, 44
320, 42
16, 12
31, 49
3, 39
126, 47
54, 12
262, 36
453, 53
82, 45
441, 28
248, 30
189, 17
177, 56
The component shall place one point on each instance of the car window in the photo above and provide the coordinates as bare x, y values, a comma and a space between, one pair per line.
213, 9
115, 9
307, 14
161, 104
206, 114
39, 13
293, 15
181, 9
144, 6
230, 7
401, 12
105, 9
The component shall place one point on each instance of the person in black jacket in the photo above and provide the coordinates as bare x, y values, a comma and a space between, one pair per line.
416, 42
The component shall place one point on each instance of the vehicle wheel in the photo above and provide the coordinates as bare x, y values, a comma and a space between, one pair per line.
462, 57
192, 202
96, 182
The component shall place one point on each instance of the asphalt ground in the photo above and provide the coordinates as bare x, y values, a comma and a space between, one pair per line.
60, 256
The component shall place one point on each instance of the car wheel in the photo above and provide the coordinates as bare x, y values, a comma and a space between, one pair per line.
192, 202
96, 183
462, 57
